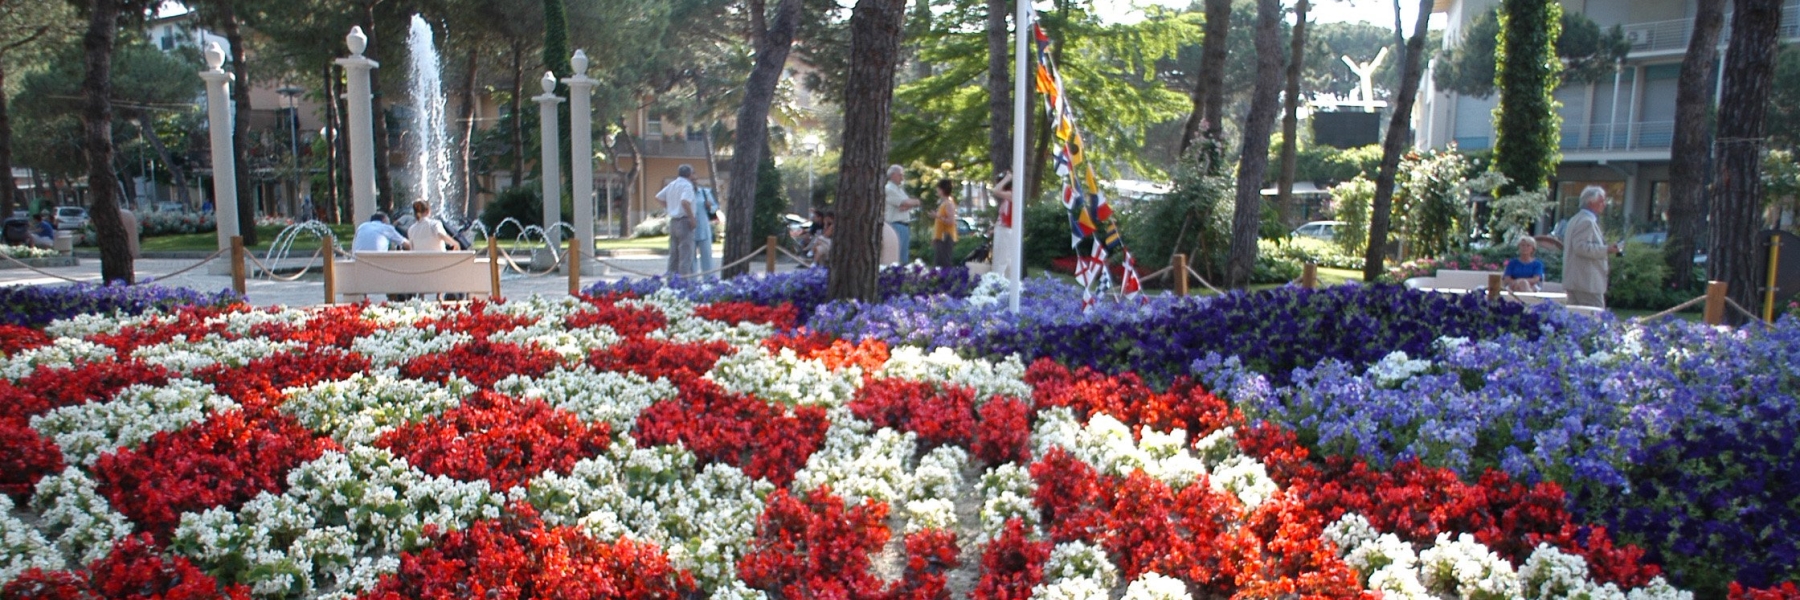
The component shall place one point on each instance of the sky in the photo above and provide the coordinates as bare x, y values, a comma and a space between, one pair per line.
1377, 12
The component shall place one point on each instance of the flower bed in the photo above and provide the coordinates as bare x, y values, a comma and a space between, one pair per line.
37, 306
384, 451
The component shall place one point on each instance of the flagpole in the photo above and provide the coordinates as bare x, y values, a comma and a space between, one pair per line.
1016, 237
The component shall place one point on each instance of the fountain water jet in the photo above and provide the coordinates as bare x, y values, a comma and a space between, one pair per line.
434, 178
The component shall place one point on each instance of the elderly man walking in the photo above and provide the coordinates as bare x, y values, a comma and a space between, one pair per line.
1585, 252
899, 210
678, 197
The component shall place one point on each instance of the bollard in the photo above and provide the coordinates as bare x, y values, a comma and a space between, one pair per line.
493, 251
1768, 313
237, 264
329, 251
1715, 303
574, 268
1493, 287
769, 252
1179, 266
1309, 276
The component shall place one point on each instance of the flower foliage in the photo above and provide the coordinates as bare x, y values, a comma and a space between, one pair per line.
813, 546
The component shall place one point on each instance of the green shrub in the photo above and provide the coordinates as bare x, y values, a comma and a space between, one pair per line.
1351, 200
1047, 233
520, 202
1302, 250
1194, 218
1640, 280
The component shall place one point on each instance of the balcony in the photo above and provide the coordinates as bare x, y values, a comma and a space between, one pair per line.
1623, 137
1665, 36
667, 147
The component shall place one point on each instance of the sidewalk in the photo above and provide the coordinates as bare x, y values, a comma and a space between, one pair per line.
309, 290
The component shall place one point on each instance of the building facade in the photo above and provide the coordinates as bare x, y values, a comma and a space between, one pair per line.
1616, 133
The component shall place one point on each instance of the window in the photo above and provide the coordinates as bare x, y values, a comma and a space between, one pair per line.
653, 129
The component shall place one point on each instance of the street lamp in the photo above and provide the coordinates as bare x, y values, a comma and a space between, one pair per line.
292, 94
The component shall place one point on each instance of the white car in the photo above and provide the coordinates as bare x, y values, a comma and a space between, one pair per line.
71, 217
1324, 230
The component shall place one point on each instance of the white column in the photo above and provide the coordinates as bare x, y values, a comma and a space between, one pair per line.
218, 121
1014, 237
581, 156
552, 157
362, 125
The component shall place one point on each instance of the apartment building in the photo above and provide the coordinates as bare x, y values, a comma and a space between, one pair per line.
1616, 133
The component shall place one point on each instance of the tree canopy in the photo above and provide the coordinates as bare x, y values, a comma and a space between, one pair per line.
1588, 53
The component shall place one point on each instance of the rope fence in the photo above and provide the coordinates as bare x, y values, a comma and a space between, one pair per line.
146, 279
1678, 308
270, 272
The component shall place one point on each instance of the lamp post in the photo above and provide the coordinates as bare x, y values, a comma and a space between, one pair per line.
292, 94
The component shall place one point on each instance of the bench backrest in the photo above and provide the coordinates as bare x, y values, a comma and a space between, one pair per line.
413, 273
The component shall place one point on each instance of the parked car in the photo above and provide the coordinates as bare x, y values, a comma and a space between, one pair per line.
71, 217
1324, 230
169, 207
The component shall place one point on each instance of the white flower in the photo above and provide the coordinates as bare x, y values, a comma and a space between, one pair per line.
1006, 492
1217, 446
243, 322
1658, 589
785, 378
737, 590
858, 466
86, 431
183, 356
22, 547
1079, 560
930, 514
396, 346
939, 474
84, 325
546, 309
1463, 568
1070, 589
992, 288
1245, 477
1056, 427
571, 345
359, 409
1154, 586
988, 378
1396, 368
61, 352
78, 521
594, 396
1350, 531
404, 314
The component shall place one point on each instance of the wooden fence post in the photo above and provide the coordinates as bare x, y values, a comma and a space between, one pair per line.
574, 268
493, 251
1179, 266
329, 251
1493, 287
237, 264
1309, 276
1715, 303
769, 252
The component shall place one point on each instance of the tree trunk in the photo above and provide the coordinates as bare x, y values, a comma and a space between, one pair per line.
772, 47
1691, 149
1253, 164
240, 130
518, 114
467, 115
1737, 197
1209, 83
868, 95
1290, 120
148, 130
9, 194
999, 87
96, 121
1382, 207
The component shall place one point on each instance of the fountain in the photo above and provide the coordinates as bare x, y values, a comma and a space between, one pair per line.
434, 178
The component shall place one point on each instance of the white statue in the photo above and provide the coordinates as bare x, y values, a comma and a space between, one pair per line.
1365, 92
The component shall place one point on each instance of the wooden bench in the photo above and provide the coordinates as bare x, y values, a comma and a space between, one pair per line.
414, 273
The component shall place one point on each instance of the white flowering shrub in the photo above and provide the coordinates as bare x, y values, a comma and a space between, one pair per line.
990, 290
1070, 589
1551, 574
405, 314
79, 523
1217, 446
1154, 586
1245, 477
393, 347
243, 322
859, 466
1079, 560
785, 378
86, 431
939, 475
1349, 531
1461, 567
937, 513
572, 345
593, 396
1395, 368
359, 409
182, 356
59, 353
22, 547
84, 325
1006, 492
988, 378
342, 514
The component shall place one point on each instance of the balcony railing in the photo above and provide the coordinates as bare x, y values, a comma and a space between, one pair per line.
1673, 34
1623, 137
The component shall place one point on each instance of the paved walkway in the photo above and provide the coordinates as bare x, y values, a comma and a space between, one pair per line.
310, 289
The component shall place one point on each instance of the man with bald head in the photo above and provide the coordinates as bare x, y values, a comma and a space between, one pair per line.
678, 197
1585, 252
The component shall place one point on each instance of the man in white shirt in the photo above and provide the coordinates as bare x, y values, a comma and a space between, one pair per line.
899, 210
427, 233
376, 235
678, 197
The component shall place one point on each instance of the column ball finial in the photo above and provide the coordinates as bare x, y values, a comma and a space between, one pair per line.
357, 41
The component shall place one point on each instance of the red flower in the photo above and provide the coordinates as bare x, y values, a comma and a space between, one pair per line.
516, 556
133, 570
782, 316
940, 415
25, 457
258, 385
870, 354
815, 548
476, 321
1071, 497
223, 461
929, 555
333, 326
1189, 407
1005, 431
498, 439
482, 362
18, 338
679, 363
1785, 591
190, 324
1011, 565
759, 437
1086, 390
627, 321
49, 388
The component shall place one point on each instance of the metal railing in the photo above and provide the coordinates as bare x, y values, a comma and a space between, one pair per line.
1653, 36
1624, 136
